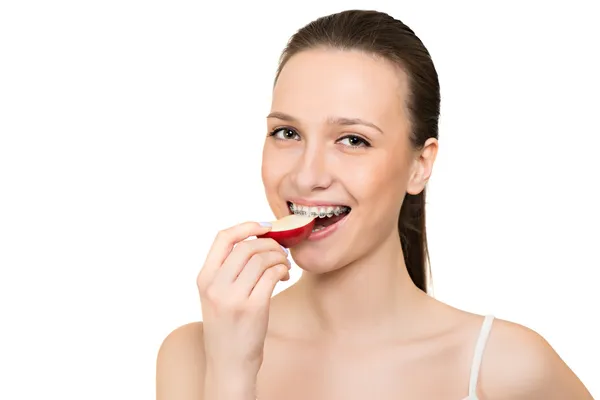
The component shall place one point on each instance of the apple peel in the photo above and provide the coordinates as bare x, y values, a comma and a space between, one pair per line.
290, 230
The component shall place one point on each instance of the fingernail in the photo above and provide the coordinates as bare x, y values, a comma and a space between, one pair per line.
265, 224
286, 250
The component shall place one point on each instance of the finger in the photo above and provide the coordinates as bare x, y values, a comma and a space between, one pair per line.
256, 267
263, 290
242, 254
223, 244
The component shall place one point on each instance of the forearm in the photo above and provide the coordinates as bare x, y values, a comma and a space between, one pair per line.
221, 385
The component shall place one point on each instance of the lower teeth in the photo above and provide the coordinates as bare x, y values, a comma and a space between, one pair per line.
316, 229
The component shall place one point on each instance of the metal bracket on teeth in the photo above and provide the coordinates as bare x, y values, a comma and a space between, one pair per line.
336, 212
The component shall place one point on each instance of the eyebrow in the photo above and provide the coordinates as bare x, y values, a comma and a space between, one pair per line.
331, 120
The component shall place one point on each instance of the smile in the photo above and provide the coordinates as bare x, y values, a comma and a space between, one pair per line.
328, 217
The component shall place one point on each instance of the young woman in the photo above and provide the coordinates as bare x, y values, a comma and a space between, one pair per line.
354, 125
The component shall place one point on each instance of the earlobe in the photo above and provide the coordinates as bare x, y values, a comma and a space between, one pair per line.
423, 167
417, 181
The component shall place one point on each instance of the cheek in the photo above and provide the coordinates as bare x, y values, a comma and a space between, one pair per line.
273, 167
379, 188
378, 179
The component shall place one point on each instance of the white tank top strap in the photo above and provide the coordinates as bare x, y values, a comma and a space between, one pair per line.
484, 333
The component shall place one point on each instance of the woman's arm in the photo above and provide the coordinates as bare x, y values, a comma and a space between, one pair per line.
181, 365
182, 372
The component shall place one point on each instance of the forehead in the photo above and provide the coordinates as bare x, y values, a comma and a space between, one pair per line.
318, 83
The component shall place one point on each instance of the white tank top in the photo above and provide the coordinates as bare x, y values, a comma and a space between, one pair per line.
478, 356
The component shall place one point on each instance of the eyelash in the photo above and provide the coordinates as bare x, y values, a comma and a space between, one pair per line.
364, 142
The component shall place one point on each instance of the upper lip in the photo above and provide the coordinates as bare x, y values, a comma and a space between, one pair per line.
313, 203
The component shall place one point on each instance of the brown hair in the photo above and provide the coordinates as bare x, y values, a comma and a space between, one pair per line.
380, 34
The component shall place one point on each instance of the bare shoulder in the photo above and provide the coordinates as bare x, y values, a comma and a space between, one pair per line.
519, 363
180, 364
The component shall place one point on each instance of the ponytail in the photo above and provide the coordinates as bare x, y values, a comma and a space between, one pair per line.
413, 238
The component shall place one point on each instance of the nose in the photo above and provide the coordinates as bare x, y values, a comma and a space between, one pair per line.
311, 172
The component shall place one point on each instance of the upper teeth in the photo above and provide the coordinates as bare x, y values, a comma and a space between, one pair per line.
318, 211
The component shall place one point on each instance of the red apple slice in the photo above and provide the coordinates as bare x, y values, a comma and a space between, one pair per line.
290, 230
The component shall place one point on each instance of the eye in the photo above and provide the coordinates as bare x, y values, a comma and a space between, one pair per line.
355, 141
284, 134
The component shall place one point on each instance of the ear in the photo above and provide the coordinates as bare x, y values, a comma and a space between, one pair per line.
422, 167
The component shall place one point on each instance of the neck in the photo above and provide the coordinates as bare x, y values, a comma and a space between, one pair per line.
371, 293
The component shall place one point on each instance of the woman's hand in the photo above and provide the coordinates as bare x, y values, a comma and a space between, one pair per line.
236, 284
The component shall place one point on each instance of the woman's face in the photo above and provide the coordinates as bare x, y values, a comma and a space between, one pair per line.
339, 136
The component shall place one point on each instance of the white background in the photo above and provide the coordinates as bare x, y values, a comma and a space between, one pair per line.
131, 131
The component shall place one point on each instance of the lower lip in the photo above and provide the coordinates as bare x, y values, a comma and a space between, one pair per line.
325, 232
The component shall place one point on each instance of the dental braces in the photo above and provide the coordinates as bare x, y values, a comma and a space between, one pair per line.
322, 214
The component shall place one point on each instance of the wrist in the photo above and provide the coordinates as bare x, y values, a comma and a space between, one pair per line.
220, 384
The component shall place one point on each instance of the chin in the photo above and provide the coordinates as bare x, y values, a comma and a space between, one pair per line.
314, 260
